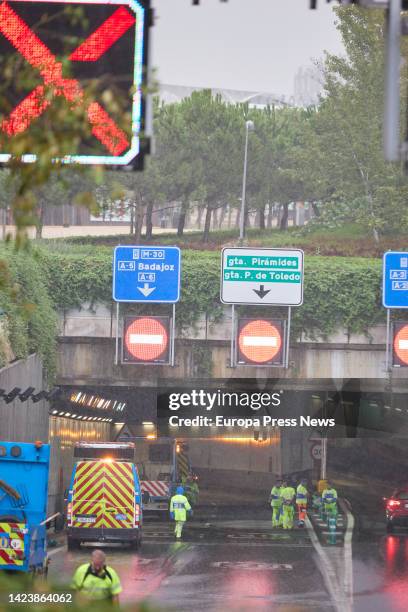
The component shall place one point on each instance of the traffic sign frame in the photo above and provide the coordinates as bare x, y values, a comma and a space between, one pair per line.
169, 350
387, 292
282, 350
262, 283
149, 297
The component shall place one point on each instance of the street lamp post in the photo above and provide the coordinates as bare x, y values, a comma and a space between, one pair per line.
249, 125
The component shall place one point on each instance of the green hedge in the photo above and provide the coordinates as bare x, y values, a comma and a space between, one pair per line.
339, 292
28, 313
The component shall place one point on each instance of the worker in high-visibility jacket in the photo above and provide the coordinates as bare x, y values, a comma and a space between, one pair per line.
301, 500
276, 503
329, 499
179, 509
288, 511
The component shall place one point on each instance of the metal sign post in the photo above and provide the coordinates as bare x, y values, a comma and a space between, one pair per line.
117, 335
287, 339
233, 360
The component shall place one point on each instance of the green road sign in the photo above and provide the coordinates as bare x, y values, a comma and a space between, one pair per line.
262, 276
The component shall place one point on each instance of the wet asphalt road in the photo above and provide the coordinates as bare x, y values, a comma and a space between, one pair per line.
229, 559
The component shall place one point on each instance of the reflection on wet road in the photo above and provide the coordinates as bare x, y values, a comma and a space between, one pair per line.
221, 565
380, 570
231, 559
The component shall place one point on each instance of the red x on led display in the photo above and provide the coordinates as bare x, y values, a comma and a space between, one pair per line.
114, 48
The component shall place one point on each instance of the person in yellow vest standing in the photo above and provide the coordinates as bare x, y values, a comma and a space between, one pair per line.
329, 499
276, 503
288, 512
179, 509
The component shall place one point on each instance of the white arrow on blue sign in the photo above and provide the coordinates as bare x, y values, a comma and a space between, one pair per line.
146, 274
395, 279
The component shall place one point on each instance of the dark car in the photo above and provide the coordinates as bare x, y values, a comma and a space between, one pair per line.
396, 509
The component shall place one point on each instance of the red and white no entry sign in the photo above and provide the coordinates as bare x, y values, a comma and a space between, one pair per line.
259, 341
146, 339
401, 344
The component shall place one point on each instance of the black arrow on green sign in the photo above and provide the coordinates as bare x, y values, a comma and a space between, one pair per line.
261, 291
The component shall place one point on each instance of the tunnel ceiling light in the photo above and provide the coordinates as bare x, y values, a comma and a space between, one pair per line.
148, 423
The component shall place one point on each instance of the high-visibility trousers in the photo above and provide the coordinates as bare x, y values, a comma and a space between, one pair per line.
276, 515
288, 513
179, 528
331, 508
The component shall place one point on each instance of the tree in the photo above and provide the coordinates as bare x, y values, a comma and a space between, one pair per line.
180, 171
216, 143
348, 126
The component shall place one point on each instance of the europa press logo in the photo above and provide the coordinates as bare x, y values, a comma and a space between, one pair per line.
108, 46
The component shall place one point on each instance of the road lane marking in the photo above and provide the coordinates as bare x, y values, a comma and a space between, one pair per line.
325, 567
348, 552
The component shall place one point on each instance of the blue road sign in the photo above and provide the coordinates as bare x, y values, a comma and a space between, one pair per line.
146, 274
395, 280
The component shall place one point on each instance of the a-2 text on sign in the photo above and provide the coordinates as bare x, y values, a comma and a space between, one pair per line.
395, 279
104, 45
262, 276
146, 274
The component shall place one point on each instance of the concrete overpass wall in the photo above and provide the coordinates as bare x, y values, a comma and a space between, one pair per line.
90, 360
87, 353
23, 421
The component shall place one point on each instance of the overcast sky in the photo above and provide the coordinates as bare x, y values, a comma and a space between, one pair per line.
242, 44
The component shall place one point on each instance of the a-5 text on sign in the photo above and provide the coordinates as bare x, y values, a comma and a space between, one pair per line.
395, 280
66, 46
262, 276
146, 274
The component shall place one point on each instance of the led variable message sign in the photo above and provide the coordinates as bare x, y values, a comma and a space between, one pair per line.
76, 51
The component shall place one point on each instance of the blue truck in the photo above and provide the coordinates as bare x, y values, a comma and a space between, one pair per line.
24, 469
